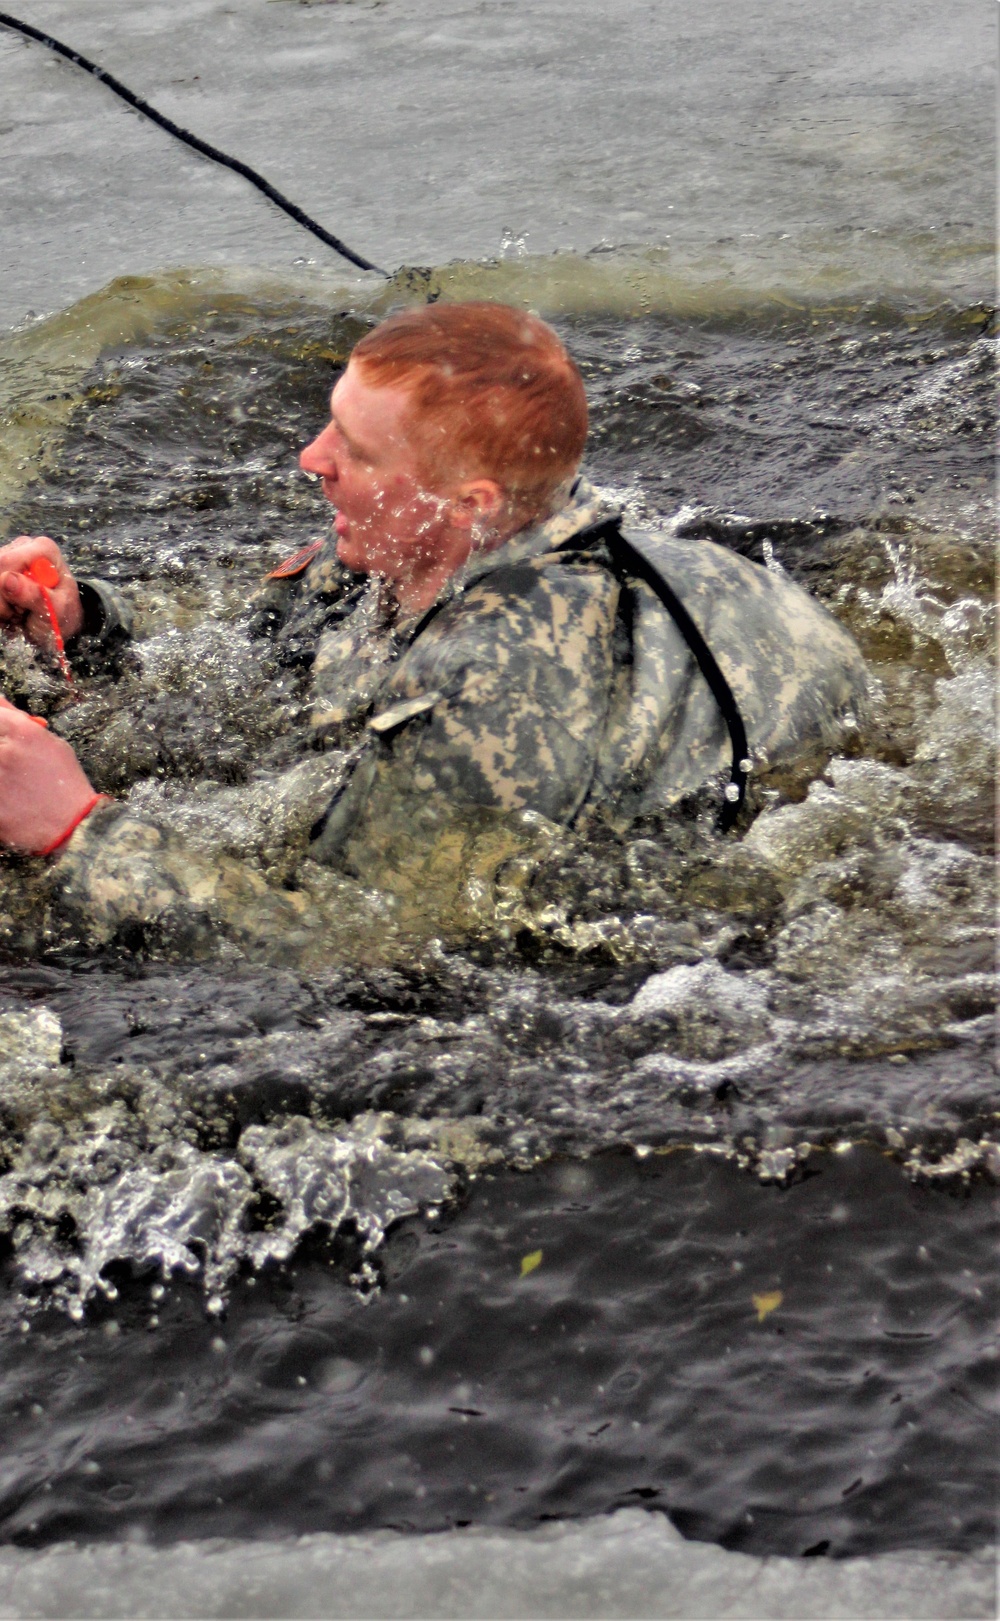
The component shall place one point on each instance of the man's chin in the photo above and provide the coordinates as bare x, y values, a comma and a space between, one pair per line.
350, 555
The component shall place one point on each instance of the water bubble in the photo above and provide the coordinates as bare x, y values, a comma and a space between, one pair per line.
338, 1375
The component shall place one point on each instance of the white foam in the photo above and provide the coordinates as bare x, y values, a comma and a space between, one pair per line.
30, 1044
168, 1204
703, 987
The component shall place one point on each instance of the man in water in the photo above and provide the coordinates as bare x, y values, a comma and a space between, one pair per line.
479, 638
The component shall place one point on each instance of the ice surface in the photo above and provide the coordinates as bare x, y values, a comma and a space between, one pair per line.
631, 1564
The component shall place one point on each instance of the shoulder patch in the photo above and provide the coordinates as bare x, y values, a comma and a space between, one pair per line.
297, 563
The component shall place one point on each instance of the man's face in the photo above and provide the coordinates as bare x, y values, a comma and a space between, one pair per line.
367, 458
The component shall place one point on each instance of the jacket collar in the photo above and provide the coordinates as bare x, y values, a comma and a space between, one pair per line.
584, 509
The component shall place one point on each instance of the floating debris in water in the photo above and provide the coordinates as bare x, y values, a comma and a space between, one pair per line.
764, 1304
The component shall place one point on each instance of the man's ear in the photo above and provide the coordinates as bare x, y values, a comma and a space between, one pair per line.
478, 501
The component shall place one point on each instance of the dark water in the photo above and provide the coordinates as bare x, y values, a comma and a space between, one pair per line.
825, 980
803, 1370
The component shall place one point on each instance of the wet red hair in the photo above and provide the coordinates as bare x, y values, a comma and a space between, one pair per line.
496, 394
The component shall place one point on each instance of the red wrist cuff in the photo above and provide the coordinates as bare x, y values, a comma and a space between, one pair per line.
81, 816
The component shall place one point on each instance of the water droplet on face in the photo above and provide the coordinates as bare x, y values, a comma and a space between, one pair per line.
732, 793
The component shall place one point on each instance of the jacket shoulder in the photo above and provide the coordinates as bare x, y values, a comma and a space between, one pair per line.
530, 613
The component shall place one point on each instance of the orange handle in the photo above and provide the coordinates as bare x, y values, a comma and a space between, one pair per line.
44, 572
46, 576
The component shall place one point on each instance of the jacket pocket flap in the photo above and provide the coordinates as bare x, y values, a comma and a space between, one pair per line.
398, 713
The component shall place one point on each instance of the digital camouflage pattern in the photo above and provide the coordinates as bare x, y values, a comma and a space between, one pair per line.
544, 680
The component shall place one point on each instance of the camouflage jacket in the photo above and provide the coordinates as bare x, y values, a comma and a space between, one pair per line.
547, 679
544, 679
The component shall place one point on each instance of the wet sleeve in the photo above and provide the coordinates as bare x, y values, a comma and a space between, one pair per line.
107, 626
124, 882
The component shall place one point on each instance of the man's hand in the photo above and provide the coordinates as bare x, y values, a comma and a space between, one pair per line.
22, 605
43, 789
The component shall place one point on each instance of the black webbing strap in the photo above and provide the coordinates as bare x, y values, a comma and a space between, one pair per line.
194, 141
629, 558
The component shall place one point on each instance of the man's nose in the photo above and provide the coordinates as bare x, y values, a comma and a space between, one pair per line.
319, 458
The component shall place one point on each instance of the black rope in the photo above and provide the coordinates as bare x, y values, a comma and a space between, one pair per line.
198, 145
636, 562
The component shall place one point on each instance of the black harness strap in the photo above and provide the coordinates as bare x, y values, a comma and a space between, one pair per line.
632, 561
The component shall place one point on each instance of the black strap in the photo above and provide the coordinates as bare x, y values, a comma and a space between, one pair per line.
194, 141
629, 558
